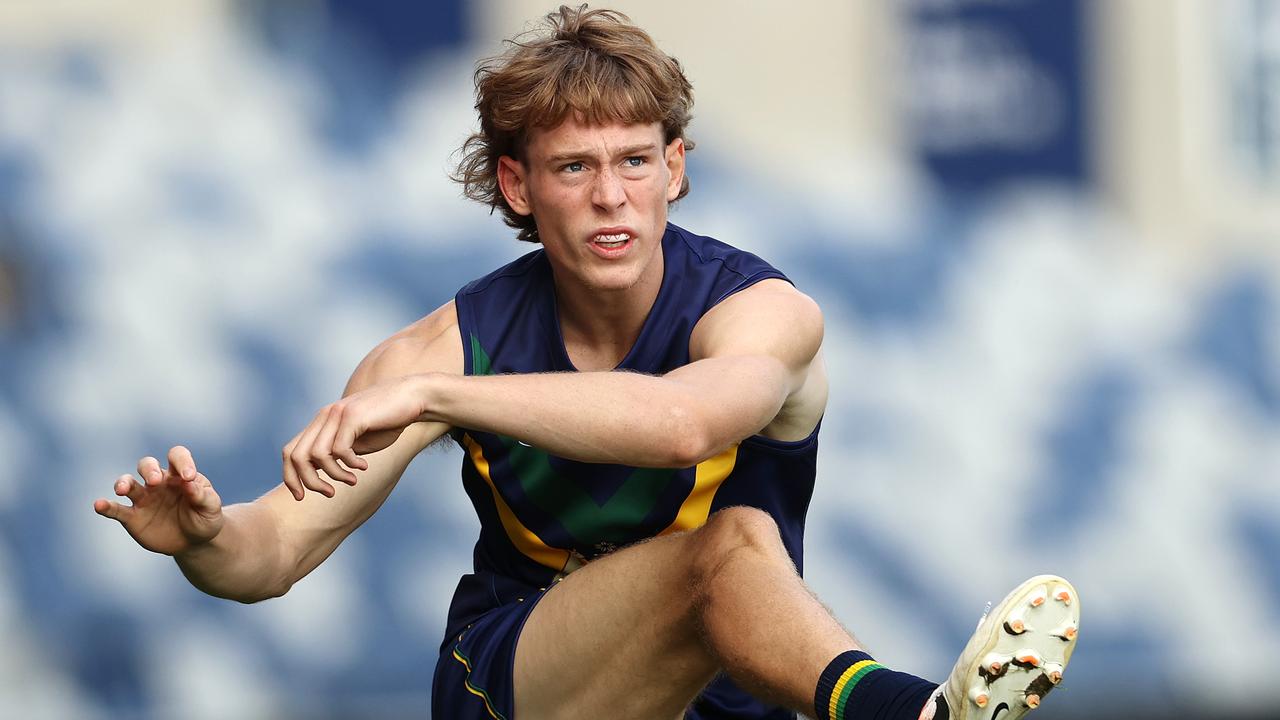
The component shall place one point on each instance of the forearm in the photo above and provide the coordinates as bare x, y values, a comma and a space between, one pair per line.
675, 420
244, 561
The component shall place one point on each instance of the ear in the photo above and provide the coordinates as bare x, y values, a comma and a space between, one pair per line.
675, 166
514, 185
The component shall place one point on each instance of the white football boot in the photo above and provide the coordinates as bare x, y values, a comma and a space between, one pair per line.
1016, 656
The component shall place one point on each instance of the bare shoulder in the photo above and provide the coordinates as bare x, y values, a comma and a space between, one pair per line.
770, 316
431, 344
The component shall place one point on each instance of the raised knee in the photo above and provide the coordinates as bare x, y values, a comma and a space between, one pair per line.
734, 530
743, 525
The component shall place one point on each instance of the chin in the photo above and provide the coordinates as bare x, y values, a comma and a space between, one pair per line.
612, 282
614, 276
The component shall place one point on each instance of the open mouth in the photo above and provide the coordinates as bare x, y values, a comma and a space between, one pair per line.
613, 244
612, 240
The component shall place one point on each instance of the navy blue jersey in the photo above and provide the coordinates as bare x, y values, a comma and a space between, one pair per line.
541, 515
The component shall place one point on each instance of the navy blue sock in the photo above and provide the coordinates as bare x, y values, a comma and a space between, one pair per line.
856, 687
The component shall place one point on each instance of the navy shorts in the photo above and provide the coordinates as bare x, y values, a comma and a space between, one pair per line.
474, 677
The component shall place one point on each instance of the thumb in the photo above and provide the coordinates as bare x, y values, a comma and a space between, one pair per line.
201, 495
112, 510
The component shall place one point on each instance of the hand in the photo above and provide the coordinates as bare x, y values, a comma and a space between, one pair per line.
359, 424
176, 509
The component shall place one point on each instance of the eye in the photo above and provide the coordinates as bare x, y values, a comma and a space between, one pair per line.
573, 167
634, 161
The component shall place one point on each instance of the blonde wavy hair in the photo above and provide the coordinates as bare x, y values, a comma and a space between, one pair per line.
595, 64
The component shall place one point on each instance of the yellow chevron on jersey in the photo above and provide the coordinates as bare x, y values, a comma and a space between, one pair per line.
710, 473
525, 540
693, 512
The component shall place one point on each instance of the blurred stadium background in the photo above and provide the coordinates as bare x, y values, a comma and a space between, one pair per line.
1046, 234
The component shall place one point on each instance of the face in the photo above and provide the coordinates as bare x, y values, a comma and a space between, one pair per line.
599, 197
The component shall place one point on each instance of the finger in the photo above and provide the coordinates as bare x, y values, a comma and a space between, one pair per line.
181, 463
288, 475
149, 470
113, 510
291, 480
300, 458
344, 445
322, 454
127, 486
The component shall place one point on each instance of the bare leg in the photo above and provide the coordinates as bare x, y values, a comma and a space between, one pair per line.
639, 633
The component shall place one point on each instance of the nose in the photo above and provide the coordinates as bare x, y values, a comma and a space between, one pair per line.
608, 192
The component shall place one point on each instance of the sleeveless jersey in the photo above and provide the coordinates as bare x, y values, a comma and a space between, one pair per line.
541, 515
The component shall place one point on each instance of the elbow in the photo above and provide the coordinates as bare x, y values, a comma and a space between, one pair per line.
686, 453
693, 436
689, 441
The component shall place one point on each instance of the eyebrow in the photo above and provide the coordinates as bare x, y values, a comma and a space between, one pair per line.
627, 151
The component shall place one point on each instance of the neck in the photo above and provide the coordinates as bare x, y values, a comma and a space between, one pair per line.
601, 326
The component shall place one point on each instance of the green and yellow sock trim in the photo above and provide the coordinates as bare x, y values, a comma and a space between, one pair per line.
847, 682
838, 681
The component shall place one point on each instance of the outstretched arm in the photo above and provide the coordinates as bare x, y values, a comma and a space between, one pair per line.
267, 545
753, 355
257, 550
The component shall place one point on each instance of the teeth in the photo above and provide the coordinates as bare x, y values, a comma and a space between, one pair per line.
616, 239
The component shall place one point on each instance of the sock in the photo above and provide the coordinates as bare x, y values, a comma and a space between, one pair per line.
856, 687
